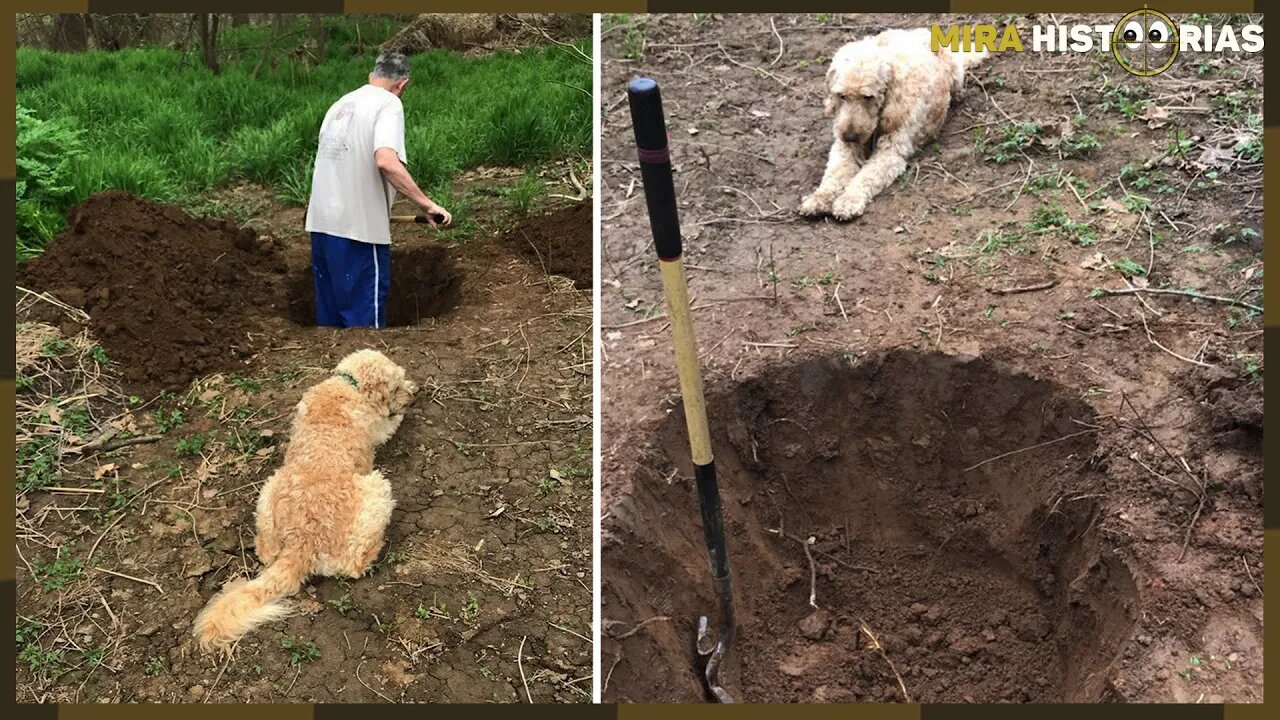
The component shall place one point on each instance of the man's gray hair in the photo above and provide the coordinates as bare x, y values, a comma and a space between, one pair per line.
391, 65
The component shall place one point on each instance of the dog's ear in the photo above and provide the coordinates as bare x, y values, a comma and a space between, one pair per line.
892, 111
832, 103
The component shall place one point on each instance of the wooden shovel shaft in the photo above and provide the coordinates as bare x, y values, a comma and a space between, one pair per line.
659, 189
420, 219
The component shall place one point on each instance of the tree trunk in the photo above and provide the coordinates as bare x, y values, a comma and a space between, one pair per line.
267, 46
239, 19
208, 23
149, 29
69, 33
319, 36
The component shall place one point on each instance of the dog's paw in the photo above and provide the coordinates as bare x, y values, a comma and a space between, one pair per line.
848, 207
815, 205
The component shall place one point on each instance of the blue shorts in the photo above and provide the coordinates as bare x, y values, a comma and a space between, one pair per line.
352, 281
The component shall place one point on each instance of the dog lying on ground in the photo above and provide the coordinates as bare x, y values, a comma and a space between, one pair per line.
324, 512
888, 95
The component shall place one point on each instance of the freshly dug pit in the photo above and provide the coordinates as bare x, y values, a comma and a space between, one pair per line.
983, 581
170, 297
559, 243
424, 284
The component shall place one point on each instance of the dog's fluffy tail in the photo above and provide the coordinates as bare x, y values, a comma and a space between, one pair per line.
969, 58
243, 605
957, 62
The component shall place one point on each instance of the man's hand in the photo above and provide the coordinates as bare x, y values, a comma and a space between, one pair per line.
433, 210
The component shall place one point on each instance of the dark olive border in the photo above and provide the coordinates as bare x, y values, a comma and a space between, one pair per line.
600, 712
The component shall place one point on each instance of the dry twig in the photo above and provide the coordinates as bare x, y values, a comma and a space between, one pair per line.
1030, 448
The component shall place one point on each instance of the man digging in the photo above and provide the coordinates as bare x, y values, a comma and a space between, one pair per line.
360, 164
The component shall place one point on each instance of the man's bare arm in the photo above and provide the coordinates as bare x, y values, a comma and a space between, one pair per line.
398, 175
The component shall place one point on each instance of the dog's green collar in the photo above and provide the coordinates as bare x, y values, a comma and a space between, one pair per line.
349, 378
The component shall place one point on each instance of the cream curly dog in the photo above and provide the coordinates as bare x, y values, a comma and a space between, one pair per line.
888, 95
324, 512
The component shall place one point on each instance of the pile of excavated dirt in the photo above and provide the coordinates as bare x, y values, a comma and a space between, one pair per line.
170, 297
559, 243
485, 32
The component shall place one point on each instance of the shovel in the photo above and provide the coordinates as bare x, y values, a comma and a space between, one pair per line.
420, 219
660, 196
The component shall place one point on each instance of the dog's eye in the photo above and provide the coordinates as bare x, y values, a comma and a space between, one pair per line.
868, 96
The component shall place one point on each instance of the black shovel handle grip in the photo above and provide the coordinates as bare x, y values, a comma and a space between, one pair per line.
655, 166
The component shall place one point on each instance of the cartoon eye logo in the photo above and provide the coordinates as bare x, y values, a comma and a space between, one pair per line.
1131, 35
1158, 32
1145, 42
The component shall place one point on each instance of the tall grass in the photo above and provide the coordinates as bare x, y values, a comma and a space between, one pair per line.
153, 122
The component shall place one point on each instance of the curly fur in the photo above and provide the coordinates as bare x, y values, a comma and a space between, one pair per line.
887, 95
325, 511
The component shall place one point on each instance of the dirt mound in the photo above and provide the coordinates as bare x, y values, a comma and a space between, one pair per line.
560, 243
168, 295
979, 567
424, 284
485, 32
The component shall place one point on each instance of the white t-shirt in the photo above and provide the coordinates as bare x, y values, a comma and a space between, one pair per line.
349, 196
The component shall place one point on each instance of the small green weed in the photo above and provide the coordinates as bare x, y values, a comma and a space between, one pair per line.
523, 193
548, 485
1128, 100
55, 346
59, 572
1014, 139
633, 42
1050, 217
1080, 145
47, 664
167, 420
37, 461
300, 651
193, 445
471, 610
1179, 143
342, 604
249, 385
1128, 268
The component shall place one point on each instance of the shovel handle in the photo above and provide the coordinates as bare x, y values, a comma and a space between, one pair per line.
655, 166
659, 190
420, 219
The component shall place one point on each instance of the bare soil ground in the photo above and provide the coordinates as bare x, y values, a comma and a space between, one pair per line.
483, 593
1018, 487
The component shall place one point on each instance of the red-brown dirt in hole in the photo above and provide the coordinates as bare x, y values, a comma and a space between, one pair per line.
966, 577
505, 401
560, 242
424, 284
918, 271
170, 297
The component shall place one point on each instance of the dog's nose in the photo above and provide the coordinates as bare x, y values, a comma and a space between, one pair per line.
851, 137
